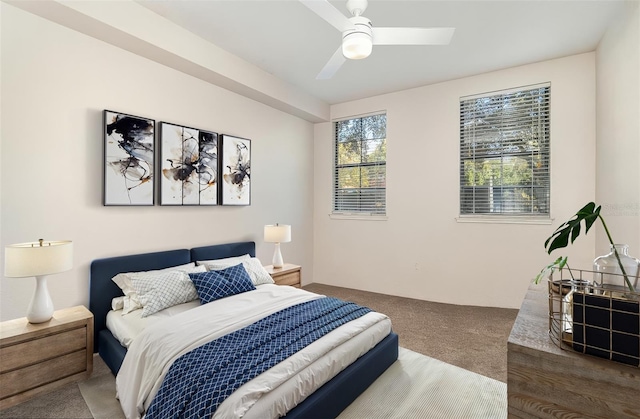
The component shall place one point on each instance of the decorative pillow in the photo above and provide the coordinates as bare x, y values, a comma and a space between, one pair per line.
131, 299
117, 303
253, 266
162, 290
227, 261
214, 285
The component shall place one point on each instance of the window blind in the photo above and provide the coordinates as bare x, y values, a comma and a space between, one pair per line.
360, 166
505, 153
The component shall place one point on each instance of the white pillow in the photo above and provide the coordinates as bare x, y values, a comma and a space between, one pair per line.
233, 260
158, 291
253, 266
117, 303
131, 300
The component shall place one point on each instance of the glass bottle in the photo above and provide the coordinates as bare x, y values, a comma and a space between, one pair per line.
577, 285
608, 273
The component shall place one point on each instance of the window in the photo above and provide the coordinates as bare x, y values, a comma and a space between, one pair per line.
360, 166
504, 153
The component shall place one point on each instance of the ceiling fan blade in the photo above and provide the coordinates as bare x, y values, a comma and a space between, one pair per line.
412, 36
332, 66
325, 10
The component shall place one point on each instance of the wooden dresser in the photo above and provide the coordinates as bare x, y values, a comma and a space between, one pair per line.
289, 274
544, 381
37, 358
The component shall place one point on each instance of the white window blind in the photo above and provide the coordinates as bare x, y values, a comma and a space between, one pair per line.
504, 153
360, 166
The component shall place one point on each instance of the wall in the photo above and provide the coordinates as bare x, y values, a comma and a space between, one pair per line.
54, 85
618, 132
421, 251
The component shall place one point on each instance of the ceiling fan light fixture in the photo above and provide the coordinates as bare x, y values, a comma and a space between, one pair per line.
357, 45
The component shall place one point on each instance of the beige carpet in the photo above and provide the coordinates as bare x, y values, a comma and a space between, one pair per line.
415, 386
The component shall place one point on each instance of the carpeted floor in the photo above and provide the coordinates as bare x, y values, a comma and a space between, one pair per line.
473, 338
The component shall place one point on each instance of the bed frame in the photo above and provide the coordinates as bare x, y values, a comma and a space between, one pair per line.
328, 401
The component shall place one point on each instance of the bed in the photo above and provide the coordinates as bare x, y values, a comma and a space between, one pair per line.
327, 401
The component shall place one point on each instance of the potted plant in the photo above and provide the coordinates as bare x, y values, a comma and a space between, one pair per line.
602, 325
570, 230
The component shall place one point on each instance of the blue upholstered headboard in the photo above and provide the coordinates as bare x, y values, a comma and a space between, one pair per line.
102, 289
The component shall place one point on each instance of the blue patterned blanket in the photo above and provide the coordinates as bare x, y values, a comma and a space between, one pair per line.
200, 380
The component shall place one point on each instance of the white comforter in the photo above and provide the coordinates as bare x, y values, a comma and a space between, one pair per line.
270, 394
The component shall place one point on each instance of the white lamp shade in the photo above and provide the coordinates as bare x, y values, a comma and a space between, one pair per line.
279, 233
33, 259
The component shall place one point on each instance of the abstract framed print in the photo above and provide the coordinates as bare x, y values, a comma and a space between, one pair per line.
236, 171
189, 166
129, 155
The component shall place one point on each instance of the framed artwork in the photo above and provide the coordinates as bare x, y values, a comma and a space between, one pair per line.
129, 154
236, 171
189, 166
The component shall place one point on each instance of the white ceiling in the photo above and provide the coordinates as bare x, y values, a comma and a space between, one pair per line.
286, 39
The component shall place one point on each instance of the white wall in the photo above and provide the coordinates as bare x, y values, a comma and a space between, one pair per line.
55, 83
618, 132
421, 251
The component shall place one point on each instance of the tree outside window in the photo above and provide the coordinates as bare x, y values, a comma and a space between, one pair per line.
504, 153
360, 165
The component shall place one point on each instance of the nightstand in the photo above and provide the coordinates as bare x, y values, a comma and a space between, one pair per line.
289, 274
37, 358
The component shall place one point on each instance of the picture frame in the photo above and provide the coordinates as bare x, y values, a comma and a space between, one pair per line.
189, 167
235, 170
129, 156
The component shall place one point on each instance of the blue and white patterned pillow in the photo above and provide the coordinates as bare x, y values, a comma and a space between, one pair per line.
254, 268
131, 300
213, 285
162, 290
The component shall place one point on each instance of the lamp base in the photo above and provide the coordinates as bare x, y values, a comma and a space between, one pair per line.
277, 257
41, 307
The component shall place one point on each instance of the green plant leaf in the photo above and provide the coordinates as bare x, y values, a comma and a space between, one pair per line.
575, 233
549, 269
572, 228
591, 218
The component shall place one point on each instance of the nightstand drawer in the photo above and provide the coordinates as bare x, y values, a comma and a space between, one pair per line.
31, 352
289, 274
39, 357
24, 379
292, 279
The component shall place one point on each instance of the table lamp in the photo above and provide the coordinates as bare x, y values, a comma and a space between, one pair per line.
277, 234
38, 259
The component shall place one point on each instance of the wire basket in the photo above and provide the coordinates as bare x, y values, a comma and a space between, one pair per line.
593, 318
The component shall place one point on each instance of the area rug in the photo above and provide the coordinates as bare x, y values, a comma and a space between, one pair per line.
415, 386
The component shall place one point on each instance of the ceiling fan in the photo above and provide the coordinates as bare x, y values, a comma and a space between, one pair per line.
359, 36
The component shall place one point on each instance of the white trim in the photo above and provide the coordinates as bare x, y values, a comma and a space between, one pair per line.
362, 115
506, 91
356, 216
501, 219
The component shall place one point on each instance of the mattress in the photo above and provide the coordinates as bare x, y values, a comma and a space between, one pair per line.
154, 343
126, 327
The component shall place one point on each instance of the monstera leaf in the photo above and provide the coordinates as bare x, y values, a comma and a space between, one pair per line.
571, 229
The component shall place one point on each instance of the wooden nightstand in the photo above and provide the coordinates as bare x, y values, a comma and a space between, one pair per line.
289, 274
37, 358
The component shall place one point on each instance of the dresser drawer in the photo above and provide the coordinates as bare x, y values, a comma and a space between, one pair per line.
18, 381
33, 351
